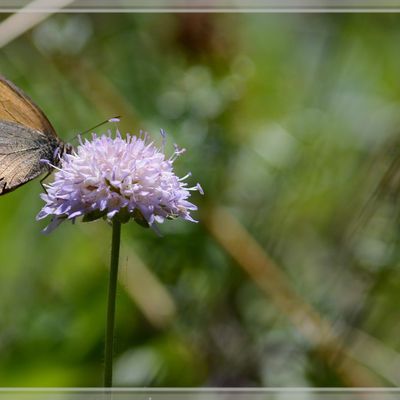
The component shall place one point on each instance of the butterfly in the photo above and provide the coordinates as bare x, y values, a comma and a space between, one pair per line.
29, 145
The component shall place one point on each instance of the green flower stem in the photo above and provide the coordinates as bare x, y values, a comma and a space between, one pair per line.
112, 291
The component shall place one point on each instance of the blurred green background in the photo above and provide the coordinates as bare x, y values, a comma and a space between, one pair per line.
291, 277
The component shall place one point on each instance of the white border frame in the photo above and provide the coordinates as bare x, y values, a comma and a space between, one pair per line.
290, 393
193, 6
180, 6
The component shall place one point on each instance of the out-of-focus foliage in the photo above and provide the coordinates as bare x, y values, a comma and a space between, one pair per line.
291, 123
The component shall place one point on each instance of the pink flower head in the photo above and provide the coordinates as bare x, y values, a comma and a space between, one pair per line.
111, 177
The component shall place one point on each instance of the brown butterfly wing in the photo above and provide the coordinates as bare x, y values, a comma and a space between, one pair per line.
21, 152
26, 138
18, 107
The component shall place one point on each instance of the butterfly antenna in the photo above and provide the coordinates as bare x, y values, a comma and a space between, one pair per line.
113, 119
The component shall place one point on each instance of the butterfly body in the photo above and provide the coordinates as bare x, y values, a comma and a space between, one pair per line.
29, 145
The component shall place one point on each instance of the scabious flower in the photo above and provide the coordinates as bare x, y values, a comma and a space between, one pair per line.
112, 177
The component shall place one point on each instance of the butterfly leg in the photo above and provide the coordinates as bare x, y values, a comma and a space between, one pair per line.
43, 179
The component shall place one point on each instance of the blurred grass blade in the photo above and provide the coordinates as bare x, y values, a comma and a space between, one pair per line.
250, 256
24, 20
